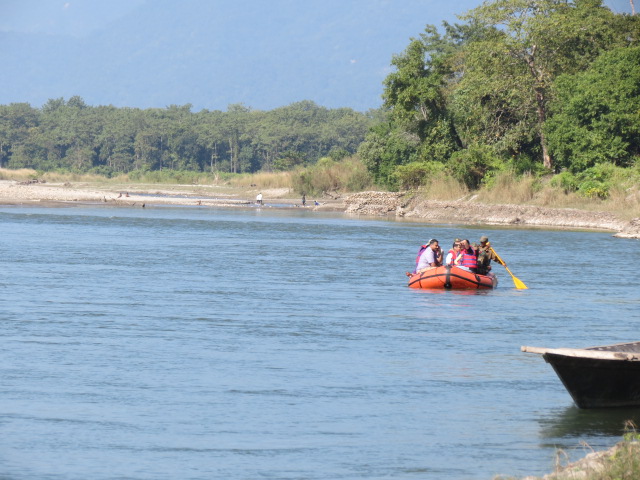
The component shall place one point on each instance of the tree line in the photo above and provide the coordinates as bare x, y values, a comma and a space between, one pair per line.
72, 136
538, 86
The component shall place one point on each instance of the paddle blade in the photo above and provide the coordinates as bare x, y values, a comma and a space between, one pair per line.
517, 282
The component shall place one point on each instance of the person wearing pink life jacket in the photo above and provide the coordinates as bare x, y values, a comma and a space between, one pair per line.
431, 256
468, 257
453, 256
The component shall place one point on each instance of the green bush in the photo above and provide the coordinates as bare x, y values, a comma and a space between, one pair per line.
594, 182
415, 174
593, 189
474, 165
523, 164
384, 149
565, 181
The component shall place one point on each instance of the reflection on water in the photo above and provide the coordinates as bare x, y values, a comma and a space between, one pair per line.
573, 422
428, 291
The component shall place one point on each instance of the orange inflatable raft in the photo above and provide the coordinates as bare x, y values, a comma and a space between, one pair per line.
451, 278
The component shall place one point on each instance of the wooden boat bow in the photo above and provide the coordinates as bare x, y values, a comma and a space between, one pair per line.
584, 353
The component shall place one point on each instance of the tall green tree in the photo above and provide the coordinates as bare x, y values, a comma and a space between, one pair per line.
208, 128
416, 93
508, 72
16, 123
596, 113
418, 126
115, 142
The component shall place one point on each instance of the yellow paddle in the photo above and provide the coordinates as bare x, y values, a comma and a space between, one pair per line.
518, 283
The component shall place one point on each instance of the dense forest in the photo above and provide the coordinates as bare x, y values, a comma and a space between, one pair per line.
72, 136
543, 86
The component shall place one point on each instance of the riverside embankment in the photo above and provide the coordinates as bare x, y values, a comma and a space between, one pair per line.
371, 203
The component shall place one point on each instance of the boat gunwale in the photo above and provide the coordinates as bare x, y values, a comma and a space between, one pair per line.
590, 353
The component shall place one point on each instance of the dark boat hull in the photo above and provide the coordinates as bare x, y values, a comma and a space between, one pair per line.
598, 377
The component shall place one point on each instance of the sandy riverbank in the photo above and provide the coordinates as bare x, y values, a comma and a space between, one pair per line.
363, 203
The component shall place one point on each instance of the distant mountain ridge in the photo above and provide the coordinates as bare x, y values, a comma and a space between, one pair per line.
215, 53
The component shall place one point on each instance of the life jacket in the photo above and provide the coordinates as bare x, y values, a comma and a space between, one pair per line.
454, 256
420, 251
468, 260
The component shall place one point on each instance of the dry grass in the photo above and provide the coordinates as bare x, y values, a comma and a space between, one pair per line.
24, 174
624, 205
444, 188
54, 177
509, 188
262, 180
19, 175
527, 190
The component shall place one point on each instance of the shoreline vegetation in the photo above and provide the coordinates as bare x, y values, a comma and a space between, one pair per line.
620, 462
21, 187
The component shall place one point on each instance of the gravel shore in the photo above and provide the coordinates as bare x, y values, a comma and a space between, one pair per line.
469, 212
363, 203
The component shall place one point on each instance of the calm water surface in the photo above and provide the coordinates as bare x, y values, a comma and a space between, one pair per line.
182, 343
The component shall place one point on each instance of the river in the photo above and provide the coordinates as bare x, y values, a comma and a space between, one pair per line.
192, 343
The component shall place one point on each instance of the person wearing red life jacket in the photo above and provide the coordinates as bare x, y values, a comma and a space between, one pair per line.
468, 257
454, 254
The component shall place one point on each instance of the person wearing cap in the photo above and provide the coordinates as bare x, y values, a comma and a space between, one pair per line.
431, 257
485, 255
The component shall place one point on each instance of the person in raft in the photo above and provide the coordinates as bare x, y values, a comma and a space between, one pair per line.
431, 257
453, 257
468, 258
485, 255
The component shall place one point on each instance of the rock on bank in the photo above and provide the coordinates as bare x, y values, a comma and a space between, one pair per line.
468, 212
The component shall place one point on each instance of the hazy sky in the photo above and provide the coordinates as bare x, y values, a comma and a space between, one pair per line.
75, 17
212, 53
80, 17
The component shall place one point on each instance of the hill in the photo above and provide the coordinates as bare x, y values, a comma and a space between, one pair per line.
215, 53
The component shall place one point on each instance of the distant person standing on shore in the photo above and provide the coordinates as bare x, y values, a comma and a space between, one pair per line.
259, 199
304, 200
